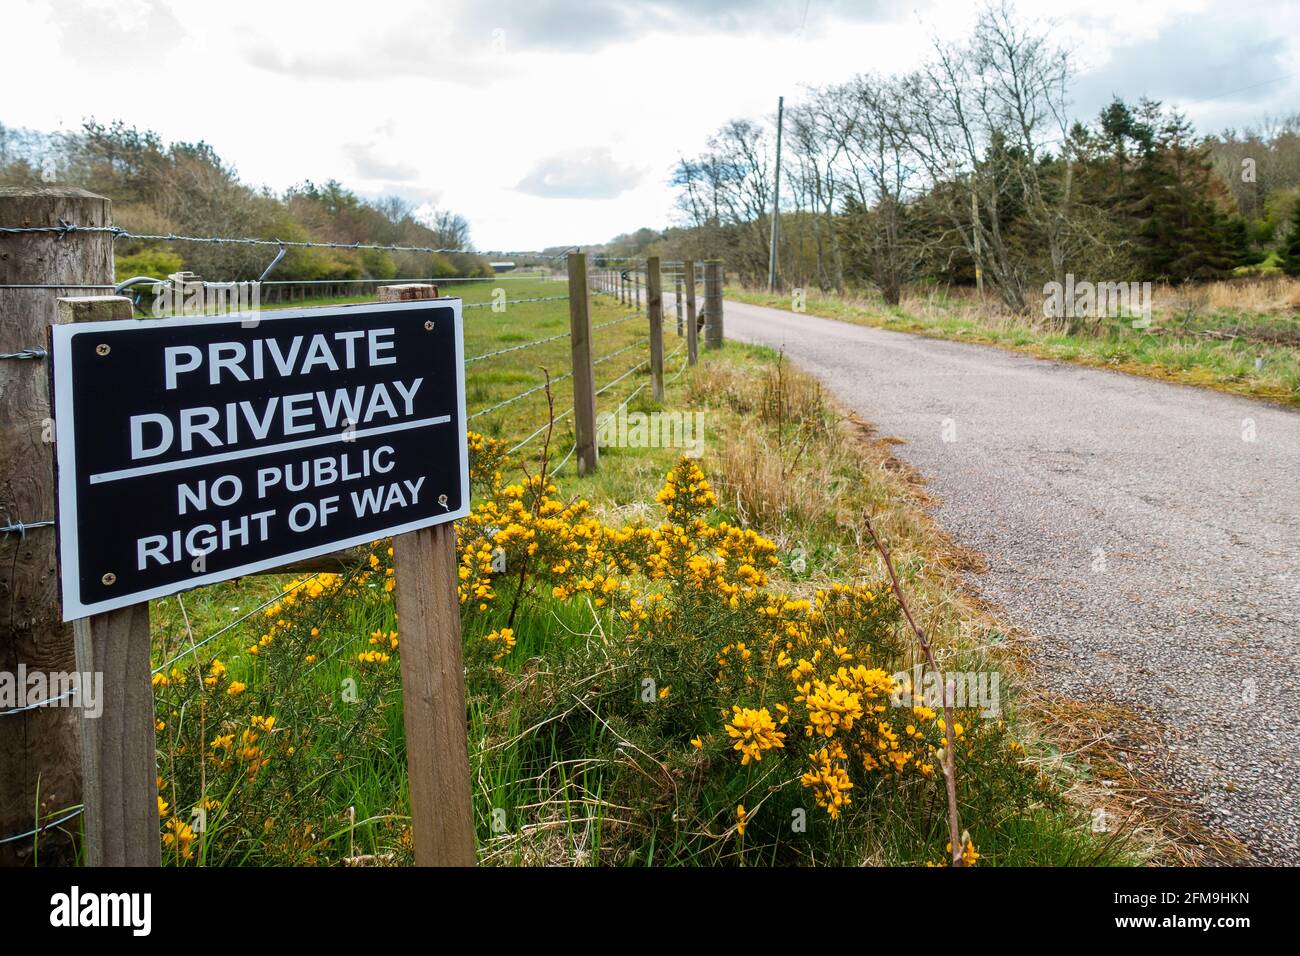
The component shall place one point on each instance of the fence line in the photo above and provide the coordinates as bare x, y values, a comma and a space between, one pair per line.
74, 812
636, 284
516, 348
65, 229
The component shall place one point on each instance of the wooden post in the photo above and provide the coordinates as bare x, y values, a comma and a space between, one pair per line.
636, 288
119, 764
654, 301
584, 378
692, 325
713, 304
677, 301
39, 749
433, 683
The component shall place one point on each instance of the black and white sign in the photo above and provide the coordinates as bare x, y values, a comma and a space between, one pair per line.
193, 450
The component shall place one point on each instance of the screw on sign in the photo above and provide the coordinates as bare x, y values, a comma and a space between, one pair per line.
194, 450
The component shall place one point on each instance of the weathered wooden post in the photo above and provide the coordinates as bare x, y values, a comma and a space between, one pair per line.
584, 378
119, 763
692, 324
39, 750
655, 309
713, 304
677, 300
433, 680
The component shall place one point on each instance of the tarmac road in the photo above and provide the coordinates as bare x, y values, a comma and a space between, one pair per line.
1148, 534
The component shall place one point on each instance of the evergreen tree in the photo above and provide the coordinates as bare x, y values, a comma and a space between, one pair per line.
1180, 226
1291, 245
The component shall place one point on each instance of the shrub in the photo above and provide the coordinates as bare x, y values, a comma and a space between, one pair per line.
157, 263
647, 684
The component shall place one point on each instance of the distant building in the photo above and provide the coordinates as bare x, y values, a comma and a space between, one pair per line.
501, 266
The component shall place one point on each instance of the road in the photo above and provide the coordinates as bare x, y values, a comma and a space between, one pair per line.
1146, 534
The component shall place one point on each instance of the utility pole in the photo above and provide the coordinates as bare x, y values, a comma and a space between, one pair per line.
776, 199
979, 252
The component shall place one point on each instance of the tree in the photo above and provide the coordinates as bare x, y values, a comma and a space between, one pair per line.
1290, 255
1178, 206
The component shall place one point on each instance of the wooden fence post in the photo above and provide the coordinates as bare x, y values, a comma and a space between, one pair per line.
433, 681
713, 304
677, 301
584, 377
39, 751
692, 324
119, 762
654, 301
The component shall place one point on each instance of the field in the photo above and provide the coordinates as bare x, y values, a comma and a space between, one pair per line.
615, 688
1241, 336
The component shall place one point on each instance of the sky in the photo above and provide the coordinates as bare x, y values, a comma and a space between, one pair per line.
547, 123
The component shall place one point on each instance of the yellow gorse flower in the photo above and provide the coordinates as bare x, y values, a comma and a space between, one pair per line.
754, 731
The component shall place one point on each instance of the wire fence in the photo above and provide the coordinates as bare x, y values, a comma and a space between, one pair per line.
614, 285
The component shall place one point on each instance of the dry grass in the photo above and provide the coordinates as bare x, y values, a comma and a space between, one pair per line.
1274, 296
1240, 336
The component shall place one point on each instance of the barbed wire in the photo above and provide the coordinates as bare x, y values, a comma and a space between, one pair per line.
560, 417
631, 395
40, 703
20, 527
76, 811
430, 280
233, 624
565, 460
616, 352
540, 298
626, 318
522, 395
31, 352
516, 348
608, 385
65, 229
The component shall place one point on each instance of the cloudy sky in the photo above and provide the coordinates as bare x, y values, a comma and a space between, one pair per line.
548, 122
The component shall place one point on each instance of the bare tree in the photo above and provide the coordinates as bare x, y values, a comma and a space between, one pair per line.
729, 189
819, 130
983, 116
882, 229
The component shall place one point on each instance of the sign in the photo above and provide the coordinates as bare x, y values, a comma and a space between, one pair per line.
193, 450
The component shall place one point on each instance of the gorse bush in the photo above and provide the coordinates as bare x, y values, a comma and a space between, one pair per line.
640, 692
259, 745
727, 709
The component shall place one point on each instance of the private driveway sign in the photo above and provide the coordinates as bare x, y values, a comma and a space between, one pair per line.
193, 450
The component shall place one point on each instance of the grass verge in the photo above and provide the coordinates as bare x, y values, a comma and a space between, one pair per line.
1241, 337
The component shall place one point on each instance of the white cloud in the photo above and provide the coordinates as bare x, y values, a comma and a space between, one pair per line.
587, 173
465, 101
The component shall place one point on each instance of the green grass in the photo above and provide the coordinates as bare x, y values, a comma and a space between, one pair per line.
493, 380
1181, 353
